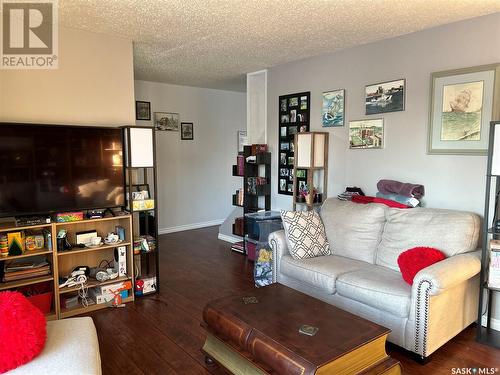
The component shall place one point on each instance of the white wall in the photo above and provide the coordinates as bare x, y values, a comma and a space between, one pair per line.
94, 84
194, 177
450, 181
456, 182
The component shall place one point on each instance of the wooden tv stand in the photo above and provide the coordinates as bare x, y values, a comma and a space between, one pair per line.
63, 262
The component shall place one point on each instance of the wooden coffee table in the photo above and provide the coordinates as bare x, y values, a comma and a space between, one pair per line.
259, 334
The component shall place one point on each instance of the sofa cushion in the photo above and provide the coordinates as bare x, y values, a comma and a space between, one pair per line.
353, 230
378, 287
305, 234
452, 232
320, 272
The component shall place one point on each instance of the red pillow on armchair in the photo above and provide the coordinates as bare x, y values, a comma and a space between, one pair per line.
413, 260
22, 331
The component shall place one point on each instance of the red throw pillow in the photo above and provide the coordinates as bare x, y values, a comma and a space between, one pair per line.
416, 259
22, 331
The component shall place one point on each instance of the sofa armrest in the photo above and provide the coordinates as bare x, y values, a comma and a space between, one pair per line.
448, 273
277, 241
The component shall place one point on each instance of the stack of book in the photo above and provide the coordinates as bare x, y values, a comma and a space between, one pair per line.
239, 247
21, 269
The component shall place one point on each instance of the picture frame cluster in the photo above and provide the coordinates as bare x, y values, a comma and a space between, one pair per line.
294, 117
164, 121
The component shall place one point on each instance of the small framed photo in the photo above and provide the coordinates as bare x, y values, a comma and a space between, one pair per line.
303, 102
283, 172
285, 119
283, 132
283, 158
187, 131
142, 110
301, 173
294, 102
284, 146
282, 184
293, 115
366, 134
290, 188
137, 196
385, 97
290, 161
166, 121
283, 108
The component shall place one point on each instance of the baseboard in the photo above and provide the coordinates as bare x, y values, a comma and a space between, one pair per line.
229, 238
181, 228
494, 323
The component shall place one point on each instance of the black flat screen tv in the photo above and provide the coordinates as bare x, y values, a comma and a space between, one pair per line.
56, 168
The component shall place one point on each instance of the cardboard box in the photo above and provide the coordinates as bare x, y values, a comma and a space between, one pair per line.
112, 288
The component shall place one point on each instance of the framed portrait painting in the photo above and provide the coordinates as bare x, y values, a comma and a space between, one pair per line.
187, 131
463, 102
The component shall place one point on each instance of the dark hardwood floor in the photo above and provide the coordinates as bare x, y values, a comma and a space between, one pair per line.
161, 334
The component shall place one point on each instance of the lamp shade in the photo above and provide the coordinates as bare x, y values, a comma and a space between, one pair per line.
310, 150
141, 147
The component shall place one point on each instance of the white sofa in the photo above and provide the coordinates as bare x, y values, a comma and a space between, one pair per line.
362, 276
71, 349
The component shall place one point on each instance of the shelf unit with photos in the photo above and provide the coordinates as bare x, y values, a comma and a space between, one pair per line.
257, 200
487, 335
141, 177
63, 262
311, 168
293, 117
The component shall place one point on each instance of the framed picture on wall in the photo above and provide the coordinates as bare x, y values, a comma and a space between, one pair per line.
187, 131
166, 121
385, 97
463, 102
365, 134
333, 108
142, 110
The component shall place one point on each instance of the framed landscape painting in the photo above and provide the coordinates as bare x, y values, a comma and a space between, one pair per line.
365, 134
385, 97
463, 102
333, 108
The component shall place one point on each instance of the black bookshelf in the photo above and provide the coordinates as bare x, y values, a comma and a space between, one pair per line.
261, 198
487, 335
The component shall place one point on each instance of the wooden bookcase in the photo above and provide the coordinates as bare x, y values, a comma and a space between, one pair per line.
63, 262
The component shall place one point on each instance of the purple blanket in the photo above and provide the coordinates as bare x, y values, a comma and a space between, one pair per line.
401, 188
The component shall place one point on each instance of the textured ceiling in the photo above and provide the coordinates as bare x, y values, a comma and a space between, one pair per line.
213, 43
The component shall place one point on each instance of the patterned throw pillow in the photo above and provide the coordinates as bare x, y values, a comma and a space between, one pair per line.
305, 234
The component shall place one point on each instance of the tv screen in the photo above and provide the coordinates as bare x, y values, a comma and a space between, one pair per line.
55, 168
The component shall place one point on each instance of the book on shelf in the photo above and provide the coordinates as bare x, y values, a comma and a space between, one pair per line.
20, 269
253, 182
240, 162
494, 268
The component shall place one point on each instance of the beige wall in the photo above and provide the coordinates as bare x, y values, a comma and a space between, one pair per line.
194, 177
94, 84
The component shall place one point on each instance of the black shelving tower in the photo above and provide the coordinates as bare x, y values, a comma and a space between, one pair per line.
487, 335
144, 222
253, 202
